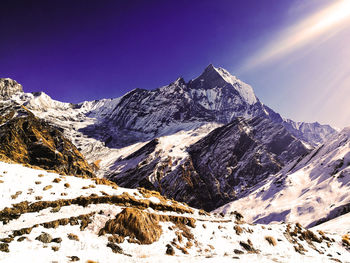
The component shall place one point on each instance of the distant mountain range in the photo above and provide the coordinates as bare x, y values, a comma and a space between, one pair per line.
207, 141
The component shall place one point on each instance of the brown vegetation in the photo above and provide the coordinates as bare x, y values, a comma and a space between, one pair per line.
272, 241
238, 229
144, 226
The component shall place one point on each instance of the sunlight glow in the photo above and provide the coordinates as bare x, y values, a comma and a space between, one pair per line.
324, 23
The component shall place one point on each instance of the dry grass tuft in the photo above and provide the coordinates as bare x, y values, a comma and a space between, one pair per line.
47, 187
135, 224
272, 241
308, 235
16, 194
144, 226
346, 240
238, 229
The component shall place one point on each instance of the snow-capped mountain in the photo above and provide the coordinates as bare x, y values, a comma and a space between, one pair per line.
144, 136
219, 167
205, 142
50, 217
214, 96
311, 190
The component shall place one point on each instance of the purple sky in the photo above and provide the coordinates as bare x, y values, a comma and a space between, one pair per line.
83, 50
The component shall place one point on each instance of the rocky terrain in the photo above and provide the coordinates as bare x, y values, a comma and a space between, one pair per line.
144, 137
220, 167
58, 218
194, 145
311, 190
28, 140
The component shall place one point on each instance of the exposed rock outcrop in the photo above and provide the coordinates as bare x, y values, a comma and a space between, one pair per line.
9, 87
27, 139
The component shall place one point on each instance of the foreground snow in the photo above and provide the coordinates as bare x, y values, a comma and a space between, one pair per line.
215, 238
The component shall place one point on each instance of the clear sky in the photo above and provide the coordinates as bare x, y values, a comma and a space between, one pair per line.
294, 53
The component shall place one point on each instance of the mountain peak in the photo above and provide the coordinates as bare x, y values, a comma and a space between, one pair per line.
213, 77
9, 87
210, 67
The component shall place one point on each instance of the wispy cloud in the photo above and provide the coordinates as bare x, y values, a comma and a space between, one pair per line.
316, 27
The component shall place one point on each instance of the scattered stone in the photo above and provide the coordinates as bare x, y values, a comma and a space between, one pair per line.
74, 258
44, 237
20, 239
73, 237
55, 209
248, 247
47, 187
115, 248
238, 252
57, 240
7, 240
4, 247
170, 250
55, 248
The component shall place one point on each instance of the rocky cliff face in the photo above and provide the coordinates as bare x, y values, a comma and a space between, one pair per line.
29, 140
9, 87
220, 167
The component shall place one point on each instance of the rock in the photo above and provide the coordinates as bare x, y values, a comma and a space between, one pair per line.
57, 240
115, 248
170, 250
4, 247
55, 248
73, 237
28, 140
74, 258
9, 87
44, 237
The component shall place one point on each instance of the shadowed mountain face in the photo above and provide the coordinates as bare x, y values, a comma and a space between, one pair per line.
28, 140
222, 166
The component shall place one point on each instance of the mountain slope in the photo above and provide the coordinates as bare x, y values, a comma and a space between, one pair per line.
135, 139
28, 140
89, 220
219, 167
9, 87
312, 190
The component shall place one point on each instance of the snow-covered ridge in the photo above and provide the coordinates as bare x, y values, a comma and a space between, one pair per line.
245, 90
55, 219
310, 190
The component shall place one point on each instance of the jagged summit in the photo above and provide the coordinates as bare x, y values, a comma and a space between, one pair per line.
220, 78
9, 87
